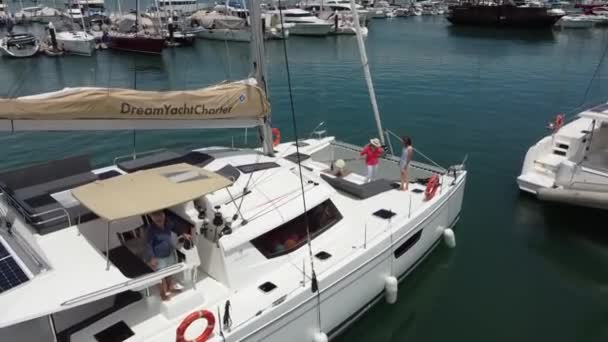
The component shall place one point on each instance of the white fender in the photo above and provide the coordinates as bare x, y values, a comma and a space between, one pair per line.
391, 287
449, 237
320, 337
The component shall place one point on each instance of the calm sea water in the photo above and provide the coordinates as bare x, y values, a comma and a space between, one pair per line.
522, 271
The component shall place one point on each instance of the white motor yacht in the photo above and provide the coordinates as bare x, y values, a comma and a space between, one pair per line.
220, 26
304, 22
577, 21
76, 42
570, 165
283, 247
334, 6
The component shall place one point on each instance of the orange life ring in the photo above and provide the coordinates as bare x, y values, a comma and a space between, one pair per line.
558, 123
431, 187
277, 136
181, 330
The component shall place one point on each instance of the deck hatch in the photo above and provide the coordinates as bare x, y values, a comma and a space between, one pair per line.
249, 168
267, 287
384, 214
323, 255
116, 333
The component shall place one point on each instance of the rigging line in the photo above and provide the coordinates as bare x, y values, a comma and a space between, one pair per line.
595, 72
314, 283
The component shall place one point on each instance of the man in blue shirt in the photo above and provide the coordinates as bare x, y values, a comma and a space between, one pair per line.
161, 245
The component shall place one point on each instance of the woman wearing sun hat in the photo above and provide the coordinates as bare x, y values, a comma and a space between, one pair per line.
372, 153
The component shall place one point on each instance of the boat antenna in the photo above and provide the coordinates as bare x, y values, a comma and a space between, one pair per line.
368, 75
314, 284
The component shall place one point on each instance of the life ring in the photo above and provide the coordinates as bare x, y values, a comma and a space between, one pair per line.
558, 123
277, 136
181, 330
431, 187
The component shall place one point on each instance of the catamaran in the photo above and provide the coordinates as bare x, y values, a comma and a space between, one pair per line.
569, 166
283, 247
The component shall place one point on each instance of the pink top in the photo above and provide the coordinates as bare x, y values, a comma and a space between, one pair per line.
371, 154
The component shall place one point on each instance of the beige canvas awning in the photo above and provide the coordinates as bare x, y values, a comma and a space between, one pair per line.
236, 100
147, 191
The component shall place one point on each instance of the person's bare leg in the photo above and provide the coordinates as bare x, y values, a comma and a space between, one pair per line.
163, 292
406, 180
402, 182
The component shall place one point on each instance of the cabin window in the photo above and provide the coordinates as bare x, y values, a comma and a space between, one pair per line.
297, 15
292, 235
409, 243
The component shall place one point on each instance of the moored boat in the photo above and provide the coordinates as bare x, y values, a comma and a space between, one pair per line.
569, 165
19, 45
76, 42
503, 15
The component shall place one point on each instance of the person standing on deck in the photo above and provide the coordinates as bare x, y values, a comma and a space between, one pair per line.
372, 153
162, 243
406, 157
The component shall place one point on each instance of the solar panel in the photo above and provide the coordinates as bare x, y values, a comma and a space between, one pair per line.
11, 274
3, 251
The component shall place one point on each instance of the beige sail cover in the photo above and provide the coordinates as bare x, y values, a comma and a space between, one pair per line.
237, 100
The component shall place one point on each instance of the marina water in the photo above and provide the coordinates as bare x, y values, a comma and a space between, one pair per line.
522, 270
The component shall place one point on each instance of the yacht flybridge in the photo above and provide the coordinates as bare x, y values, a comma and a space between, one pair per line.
570, 165
283, 248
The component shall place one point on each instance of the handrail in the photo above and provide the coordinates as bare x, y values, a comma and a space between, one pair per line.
136, 154
417, 151
29, 217
129, 283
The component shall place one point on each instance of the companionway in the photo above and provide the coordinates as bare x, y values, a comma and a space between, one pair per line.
166, 110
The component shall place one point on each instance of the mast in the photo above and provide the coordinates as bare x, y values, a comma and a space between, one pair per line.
258, 68
368, 75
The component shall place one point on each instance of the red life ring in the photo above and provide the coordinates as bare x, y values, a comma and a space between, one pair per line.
431, 187
277, 136
558, 123
181, 330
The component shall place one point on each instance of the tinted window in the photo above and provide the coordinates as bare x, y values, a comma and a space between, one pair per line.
297, 15
292, 235
409, 243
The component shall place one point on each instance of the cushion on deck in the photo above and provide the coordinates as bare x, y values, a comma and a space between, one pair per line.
361, 191
163, 159
45, 172
56, 185
128, 263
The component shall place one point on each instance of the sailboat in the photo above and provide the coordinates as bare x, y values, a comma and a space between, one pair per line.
77, 42
136, 34
282, 248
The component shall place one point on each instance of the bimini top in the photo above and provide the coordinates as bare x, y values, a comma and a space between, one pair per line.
241, 100
599, 113
146, 191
